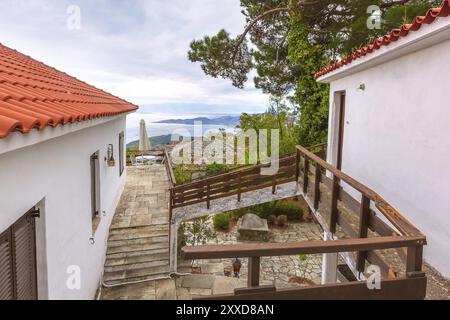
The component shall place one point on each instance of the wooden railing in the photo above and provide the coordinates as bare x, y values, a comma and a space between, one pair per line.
167, 161
306, 159
235, 183
314, 176
411, 287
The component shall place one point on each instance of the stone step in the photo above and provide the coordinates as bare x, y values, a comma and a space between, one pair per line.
138, 234
137, 242
146, 256
136, 274
136, 249
136, 266
115, 234
139, 253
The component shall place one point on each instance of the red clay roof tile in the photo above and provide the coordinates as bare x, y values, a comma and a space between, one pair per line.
394, 35
34, 96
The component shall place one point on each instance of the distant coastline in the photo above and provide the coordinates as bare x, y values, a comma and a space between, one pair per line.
229, 121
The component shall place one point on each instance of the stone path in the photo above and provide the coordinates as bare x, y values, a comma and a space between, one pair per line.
138, 245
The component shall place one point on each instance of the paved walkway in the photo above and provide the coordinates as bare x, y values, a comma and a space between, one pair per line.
138, 246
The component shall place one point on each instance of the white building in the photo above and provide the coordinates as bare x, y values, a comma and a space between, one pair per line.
390, 102
58, 186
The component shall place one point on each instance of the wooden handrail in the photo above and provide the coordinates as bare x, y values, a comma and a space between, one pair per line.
232, 184
398, 220
172, 179
297, 248
225, 176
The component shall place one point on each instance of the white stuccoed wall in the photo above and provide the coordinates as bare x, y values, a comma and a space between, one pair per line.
56, 174
397, 139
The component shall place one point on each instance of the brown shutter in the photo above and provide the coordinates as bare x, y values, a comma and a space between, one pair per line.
6, 264
24, 249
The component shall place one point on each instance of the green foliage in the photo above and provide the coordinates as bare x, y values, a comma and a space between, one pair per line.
303, 258
215, 169
182, 175
289, 48
222, 221
277, 117
312, 97
197, 232
181, 239
215, 54
292, 211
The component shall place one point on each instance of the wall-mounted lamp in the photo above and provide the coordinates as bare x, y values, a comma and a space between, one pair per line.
362, 87
110, 156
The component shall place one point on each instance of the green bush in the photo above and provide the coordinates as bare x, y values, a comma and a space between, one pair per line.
182, 175
277, 208
222, 221
215, 169
290, 210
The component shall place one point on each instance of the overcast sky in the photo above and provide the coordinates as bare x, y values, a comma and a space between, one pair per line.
136, 49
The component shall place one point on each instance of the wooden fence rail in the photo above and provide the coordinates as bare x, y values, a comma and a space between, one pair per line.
232, 184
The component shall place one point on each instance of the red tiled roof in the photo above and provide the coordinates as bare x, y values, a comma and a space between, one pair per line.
34, 96
394, 35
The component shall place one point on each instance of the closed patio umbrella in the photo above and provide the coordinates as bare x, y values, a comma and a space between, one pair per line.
144, 142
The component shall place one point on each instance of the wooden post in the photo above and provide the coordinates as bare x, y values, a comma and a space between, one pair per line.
171, 204
274, 184
334, 204
318, 180
363, 231
306, 177
414, 260
254, 266
297, 167
239, 186
208, 190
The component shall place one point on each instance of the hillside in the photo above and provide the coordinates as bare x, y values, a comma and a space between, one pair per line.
159, 140
229, 121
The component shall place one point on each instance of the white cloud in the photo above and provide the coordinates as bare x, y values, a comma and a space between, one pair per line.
134, 49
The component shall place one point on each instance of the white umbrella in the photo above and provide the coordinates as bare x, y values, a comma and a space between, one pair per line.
144, 142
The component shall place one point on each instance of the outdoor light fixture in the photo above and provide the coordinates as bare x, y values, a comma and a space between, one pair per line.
362, 87
110, 156
237, 264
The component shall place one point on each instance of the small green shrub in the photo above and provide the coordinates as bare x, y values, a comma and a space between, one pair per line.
182, 175
290, 210
282, 221
222, 221
215, 169
277, 208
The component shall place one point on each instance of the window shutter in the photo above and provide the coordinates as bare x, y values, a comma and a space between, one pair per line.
24, 258
6, 263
